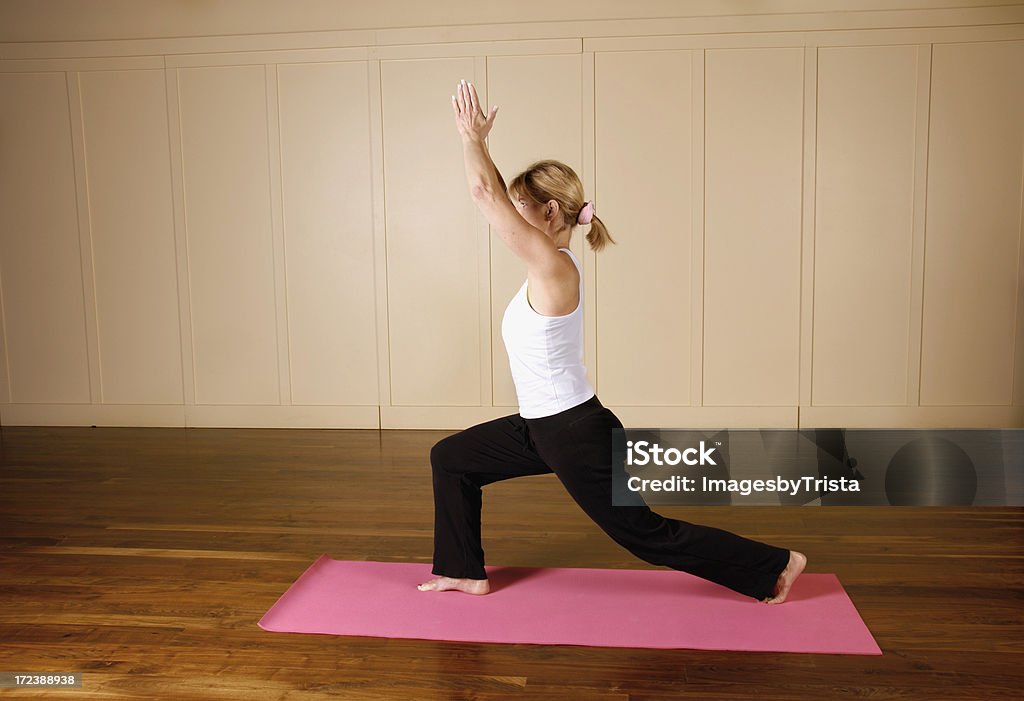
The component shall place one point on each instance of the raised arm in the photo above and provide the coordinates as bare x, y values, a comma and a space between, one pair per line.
487, 187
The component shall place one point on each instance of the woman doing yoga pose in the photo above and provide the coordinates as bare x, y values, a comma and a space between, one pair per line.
561, 425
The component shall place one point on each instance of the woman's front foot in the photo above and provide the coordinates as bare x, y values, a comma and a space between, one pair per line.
797, 563
478, 587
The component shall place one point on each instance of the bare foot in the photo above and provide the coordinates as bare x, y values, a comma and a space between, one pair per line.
797, 563
470, 586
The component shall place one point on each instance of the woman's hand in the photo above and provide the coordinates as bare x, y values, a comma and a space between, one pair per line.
470, 120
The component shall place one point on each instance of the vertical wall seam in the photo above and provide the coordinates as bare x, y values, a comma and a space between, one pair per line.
374, 194
592, 176
83, 226
1020, 282
377, 67
174, 233
484, 362
490, 250
384, 226
704, 229
804, 155
6, 354
920, 170
697, 188
814, 227
78, 224
284, 237
188, 258
924, 223
272, 89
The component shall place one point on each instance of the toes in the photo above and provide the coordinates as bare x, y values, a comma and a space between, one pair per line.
445, 584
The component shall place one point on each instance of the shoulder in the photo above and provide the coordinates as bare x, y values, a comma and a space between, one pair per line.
561, 262
559, 270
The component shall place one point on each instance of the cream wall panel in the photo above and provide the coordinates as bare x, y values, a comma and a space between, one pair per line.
228, 223
433, 238
643, 121
754, 114
124, 126
328, 217
538, 118
973, 223
40, 253
863, 227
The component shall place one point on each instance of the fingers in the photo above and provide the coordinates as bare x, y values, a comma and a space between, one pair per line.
466, 103
460, 99
467, 100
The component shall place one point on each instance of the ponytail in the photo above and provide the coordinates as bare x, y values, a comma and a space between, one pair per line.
598, 235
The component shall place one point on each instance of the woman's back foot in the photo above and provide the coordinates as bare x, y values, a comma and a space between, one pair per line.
797, 563
478, 587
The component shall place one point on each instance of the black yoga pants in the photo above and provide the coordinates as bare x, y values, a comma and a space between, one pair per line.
575, 444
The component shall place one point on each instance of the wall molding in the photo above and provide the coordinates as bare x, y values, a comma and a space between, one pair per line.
448, 418
190, 415
819, 27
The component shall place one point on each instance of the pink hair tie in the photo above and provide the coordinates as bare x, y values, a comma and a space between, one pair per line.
586, 214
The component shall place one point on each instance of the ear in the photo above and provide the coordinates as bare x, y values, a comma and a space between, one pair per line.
552, 209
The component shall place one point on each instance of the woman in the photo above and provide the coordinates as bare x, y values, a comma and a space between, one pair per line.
561, 426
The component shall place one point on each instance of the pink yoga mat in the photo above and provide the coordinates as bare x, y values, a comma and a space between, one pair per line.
563, 606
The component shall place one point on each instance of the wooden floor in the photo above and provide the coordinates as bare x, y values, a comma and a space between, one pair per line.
144, 558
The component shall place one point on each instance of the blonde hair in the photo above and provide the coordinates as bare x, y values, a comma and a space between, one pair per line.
553, 180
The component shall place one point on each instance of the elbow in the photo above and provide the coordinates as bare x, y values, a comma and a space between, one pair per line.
481, 193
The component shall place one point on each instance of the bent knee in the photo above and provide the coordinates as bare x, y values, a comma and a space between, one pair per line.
442, 455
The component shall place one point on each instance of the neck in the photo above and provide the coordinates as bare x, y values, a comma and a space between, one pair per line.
561, 238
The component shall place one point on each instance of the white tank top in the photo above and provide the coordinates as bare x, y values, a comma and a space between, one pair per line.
545, 354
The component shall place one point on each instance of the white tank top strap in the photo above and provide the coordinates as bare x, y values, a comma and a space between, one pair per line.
576, 262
